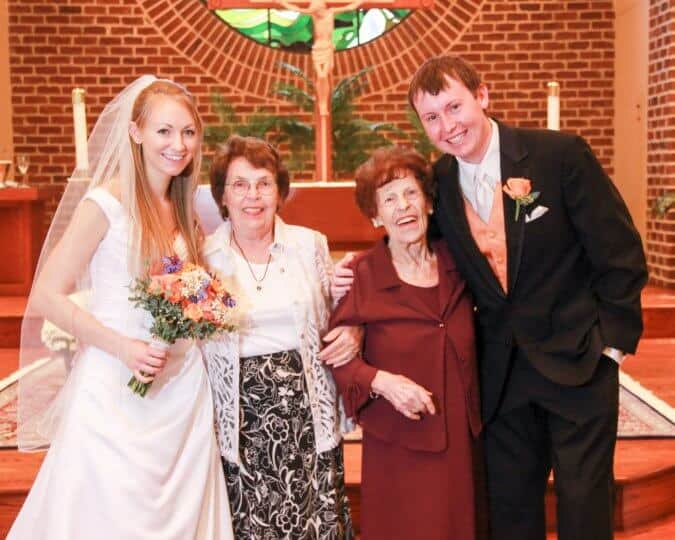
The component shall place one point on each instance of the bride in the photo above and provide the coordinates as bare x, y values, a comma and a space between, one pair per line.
122, 466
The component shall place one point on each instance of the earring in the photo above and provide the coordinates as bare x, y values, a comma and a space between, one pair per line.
377, 222
430, 211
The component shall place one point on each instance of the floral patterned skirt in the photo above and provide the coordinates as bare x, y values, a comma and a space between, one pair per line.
283, 488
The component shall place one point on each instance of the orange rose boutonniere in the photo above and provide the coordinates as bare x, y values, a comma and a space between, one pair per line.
520, 190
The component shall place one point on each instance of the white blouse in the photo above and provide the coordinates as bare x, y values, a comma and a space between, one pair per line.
269, 325
303, 286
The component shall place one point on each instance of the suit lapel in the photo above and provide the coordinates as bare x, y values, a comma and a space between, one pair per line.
513, 165
453, 202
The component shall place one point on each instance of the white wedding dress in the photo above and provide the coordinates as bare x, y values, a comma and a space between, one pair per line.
122, 467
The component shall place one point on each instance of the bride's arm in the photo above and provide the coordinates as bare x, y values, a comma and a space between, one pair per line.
67, 261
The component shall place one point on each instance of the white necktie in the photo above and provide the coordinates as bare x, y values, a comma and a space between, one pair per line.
484, 195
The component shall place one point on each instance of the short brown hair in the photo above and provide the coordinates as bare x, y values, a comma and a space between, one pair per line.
431, 77
258, 153
386, 164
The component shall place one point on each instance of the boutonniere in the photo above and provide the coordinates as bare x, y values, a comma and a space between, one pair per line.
520, 190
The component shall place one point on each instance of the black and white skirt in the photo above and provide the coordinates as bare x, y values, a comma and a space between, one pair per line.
283, 488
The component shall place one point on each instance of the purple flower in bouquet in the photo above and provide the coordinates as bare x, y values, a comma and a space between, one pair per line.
171, 264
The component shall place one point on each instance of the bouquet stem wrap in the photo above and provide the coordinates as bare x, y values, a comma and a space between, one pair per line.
139, 387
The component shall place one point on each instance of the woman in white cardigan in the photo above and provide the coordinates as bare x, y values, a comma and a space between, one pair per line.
278, 415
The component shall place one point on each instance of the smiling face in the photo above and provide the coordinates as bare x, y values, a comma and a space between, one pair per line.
252, 211
455, 120
168, 136
403, 210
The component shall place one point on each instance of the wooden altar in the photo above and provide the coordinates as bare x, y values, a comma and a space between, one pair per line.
22, 231
327, 207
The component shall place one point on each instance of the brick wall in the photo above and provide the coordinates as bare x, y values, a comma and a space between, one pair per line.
660, 241
104, 44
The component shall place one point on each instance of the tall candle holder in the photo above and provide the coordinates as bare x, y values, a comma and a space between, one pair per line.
553, 106
80, 128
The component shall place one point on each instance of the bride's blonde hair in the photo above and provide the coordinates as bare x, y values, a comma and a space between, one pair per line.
155, 240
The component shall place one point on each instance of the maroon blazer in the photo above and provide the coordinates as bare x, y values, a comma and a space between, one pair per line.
404, 335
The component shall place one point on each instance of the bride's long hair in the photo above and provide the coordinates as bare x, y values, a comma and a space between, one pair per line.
114, 160
153, 237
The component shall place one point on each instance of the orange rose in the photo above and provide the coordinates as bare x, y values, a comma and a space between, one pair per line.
517, 188
174, 292
207, 312
218, 287
193, 312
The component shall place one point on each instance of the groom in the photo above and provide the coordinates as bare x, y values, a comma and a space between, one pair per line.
556, 267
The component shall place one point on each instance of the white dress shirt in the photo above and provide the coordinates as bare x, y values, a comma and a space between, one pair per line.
477, 180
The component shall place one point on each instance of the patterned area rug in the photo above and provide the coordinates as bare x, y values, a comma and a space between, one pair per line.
8, 417
641, 414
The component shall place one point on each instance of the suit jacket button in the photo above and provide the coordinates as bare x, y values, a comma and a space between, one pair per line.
441, 325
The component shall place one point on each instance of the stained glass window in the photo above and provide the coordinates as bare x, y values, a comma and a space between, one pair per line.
293, 31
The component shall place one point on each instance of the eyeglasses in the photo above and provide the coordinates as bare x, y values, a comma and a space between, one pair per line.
242, 187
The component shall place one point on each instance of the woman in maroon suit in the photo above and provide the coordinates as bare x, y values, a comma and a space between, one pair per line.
414, 391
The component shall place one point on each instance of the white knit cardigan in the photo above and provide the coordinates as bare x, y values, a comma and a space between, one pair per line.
304, 255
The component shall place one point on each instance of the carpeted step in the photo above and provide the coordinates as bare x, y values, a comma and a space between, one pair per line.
9, 362
658, 310
11, 313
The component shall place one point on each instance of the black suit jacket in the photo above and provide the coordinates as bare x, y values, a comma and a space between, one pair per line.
574, 274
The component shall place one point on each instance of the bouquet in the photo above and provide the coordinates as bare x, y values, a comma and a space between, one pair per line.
186, 302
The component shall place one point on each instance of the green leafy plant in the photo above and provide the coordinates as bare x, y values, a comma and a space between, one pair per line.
663, 204
229, 122
353, 138
420, 141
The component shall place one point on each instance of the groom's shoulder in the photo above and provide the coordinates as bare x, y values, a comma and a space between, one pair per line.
539, 138
442, 165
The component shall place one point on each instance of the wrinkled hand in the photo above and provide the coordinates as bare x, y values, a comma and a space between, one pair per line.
143, 360
342, 278
344, 343
407, 397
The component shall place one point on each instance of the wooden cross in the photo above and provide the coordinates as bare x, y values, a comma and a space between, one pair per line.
323, 18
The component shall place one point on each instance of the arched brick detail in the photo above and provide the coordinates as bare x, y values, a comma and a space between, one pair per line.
229, 57
240, 63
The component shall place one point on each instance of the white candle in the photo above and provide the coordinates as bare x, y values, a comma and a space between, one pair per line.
553, 108
80, 126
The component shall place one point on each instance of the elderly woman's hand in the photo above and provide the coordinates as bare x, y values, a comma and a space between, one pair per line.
342, 278
344, 343
407, 397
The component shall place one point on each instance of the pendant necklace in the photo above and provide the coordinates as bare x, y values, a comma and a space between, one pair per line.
258, 282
